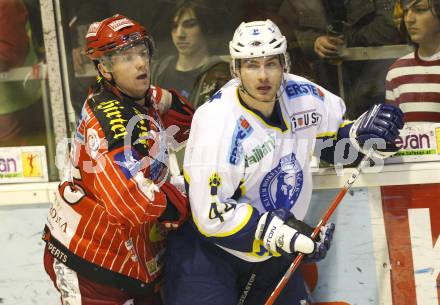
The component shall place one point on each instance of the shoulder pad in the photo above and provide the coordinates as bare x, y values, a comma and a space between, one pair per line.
123, 123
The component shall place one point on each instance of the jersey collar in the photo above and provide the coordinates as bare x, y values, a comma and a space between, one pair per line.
275, 121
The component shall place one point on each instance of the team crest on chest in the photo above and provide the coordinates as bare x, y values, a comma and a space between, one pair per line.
281, 187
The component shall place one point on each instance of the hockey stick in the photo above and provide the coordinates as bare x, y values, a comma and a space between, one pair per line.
354, 175
282, 283
174, 165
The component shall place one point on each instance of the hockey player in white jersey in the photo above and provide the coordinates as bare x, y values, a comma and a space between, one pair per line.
247, 171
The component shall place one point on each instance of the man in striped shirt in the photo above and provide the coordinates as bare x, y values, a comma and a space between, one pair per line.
105, 231
413, 81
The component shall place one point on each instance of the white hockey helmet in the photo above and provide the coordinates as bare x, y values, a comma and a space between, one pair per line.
257, 39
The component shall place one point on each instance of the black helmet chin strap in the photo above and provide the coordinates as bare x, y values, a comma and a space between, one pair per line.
243, 88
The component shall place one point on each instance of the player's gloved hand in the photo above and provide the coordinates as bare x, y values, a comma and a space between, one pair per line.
281, 232
177, 208
179, 114
377, 128
323, 242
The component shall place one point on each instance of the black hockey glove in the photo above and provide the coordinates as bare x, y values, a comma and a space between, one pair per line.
177, 209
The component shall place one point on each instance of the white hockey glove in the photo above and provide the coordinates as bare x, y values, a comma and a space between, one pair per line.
377, 128
281, 232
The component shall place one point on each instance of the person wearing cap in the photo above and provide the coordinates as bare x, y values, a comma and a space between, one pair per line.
246, 166
105, 232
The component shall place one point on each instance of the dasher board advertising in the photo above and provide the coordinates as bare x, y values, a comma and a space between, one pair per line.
23, 164
418, 142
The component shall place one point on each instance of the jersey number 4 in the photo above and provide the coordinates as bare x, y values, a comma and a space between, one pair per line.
215, 212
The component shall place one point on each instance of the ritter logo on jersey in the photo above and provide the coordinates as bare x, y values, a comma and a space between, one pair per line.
281, 187
242, 130
298, 89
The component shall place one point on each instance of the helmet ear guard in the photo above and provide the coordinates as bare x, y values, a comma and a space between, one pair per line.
106, 62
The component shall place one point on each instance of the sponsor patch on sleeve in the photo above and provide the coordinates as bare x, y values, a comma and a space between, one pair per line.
242, 130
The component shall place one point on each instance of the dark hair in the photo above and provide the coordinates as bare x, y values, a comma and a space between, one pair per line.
435, 5
201, 12
435, 9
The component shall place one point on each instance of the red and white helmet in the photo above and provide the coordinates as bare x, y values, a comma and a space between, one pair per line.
113, 34
257, 39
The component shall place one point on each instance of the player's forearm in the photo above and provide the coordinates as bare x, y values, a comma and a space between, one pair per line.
233, 227
128, 196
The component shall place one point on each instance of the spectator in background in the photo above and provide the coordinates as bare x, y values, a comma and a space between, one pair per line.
369, 23
21, 111
365, 23
14, 40
413, 81
192, 21
192, 72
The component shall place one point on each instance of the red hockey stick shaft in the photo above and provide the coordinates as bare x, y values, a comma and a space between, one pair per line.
282, 283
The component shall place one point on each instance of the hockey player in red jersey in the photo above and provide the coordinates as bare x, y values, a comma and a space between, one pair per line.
105, 231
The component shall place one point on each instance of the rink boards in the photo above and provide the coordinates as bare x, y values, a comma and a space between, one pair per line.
386, 249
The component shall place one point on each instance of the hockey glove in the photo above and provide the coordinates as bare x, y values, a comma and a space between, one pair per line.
179, 114
177, 209
377, 128
276, 230
323, 241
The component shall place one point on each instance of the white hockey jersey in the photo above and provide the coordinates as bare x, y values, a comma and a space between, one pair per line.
239, 165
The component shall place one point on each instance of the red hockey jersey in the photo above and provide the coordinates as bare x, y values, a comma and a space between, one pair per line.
104, 220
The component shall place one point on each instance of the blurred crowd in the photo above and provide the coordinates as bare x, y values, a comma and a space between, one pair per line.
191, 49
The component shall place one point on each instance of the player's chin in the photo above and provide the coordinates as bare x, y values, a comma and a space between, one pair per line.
265, 96
139, 92
141, 85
